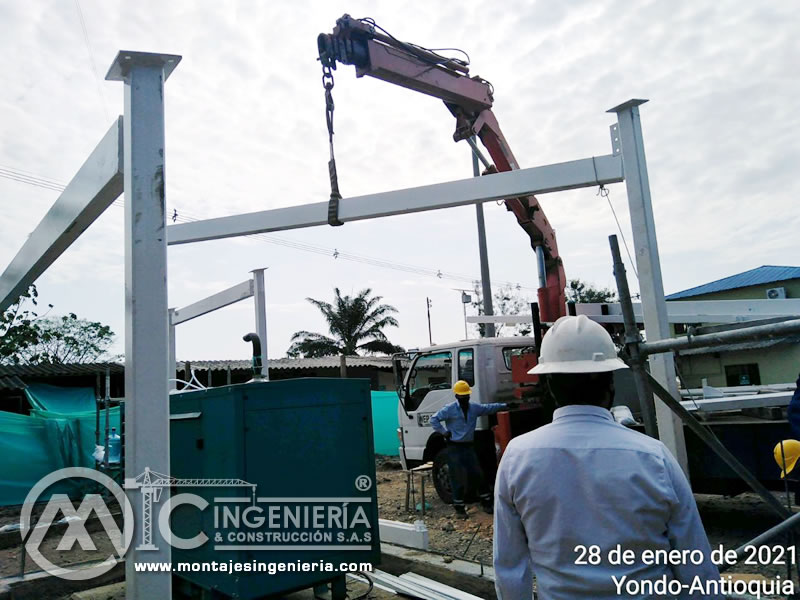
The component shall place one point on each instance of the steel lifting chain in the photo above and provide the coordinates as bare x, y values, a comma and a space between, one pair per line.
333, 203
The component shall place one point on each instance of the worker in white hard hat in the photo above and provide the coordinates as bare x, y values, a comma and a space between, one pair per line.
579, 502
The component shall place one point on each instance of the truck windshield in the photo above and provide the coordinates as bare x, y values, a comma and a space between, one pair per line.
431, 372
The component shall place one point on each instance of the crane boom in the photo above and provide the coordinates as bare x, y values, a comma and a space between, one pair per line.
374, 52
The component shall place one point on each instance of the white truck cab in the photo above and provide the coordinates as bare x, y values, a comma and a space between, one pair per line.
425, 384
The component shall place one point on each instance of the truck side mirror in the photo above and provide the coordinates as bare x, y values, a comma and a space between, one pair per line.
397, 368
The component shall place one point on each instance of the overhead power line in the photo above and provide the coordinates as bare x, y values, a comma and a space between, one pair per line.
335, 253
95, 74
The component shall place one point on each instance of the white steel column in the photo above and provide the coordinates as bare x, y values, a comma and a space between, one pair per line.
171, 359
259, 295
146, 344
651, 286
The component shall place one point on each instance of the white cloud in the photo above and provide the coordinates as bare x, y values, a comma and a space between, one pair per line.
245, 132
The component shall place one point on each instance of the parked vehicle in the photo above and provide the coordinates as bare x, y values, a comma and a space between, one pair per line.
425, 380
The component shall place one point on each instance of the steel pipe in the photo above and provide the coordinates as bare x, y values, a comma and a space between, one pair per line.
721, 338
783, 527
633, 341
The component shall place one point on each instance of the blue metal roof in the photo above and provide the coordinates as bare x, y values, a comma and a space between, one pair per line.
757, 276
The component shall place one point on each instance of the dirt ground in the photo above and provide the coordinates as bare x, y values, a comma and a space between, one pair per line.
728, 521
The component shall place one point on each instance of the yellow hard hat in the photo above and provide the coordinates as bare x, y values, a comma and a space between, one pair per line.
791, 451
461, 388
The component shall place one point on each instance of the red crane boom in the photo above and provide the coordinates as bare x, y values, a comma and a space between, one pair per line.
374, 52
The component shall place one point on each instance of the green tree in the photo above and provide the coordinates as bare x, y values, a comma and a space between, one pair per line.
69, 339
354, 323
19, 328
505, 301
582, 292
28, 338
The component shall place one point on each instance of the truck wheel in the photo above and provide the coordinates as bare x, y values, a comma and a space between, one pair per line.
441, 477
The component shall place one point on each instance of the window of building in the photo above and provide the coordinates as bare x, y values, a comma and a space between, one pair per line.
742, 375
466, 366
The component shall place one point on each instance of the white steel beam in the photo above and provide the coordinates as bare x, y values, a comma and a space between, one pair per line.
699, 311
240, 291
260, 297
93, 188
146, 308
575, 174
684, 311
172, 361
651, 285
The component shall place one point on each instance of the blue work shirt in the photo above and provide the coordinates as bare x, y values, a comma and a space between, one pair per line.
463, 429
585, 480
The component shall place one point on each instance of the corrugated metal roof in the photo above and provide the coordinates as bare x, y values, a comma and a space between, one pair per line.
758, 276
57, 370
12, 383
325, 362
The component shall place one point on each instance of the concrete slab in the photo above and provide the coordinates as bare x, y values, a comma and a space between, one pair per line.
115, 591
440, 561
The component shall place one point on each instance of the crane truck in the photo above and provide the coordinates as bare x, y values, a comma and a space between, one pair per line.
487, 364
497, 368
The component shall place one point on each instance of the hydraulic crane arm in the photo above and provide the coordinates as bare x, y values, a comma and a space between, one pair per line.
376, 53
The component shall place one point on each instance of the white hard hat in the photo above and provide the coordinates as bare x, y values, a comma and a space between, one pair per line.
577, 345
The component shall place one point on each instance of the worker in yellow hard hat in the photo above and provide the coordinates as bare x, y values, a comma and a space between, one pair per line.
787, 456
456, 422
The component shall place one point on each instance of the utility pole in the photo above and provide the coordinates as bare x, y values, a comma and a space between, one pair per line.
465, 299
428, 306
486, 283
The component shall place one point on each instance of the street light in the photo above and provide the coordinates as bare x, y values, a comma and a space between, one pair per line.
465, 299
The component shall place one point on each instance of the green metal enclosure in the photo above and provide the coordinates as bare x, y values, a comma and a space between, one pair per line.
304, 443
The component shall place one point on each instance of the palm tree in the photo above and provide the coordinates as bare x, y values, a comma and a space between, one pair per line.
355, 323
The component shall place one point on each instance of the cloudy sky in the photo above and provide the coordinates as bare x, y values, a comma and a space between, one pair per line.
246, 131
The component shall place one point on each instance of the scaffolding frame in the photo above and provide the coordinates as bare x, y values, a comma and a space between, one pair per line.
636, 352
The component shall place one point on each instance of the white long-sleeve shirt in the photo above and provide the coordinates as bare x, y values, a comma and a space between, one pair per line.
584, 480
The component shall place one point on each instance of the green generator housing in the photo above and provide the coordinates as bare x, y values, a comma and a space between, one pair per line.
303, 443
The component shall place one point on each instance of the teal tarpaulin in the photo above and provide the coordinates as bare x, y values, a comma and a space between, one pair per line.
384, 423
36, 445
65, 400
59, 433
